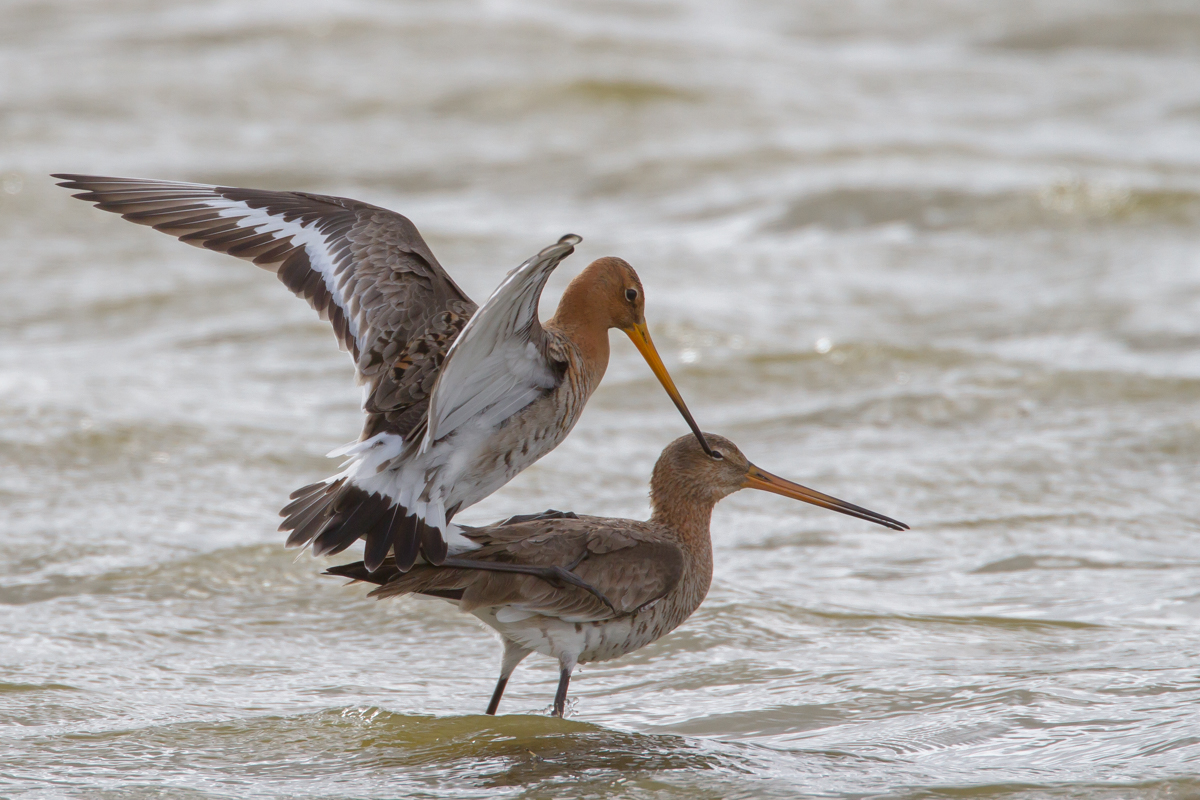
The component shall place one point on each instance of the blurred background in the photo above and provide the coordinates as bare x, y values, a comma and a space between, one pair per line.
937, 258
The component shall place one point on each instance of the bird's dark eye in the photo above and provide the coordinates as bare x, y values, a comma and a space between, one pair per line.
631, 295
716, 454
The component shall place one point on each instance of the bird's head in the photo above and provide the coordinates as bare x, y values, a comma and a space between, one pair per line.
615, 292
686, 469
611, 288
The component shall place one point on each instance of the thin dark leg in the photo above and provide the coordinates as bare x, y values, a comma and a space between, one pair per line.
496, 695
560, 697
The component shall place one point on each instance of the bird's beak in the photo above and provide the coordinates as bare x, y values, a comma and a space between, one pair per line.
761, 479
640, 337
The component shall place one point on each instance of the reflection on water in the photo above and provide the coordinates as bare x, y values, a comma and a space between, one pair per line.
940, 260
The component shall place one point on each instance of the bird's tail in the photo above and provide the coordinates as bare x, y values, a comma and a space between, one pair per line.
335, 513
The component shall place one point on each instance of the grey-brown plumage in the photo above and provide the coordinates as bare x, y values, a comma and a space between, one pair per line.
458, 399
630, 562
643, 579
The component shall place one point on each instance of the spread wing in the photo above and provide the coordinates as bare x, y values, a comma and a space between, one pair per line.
365, 269
499, 364
369, 273
620, 558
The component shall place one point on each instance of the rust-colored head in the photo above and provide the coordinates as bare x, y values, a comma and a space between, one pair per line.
613, 292
687, 471
609, 294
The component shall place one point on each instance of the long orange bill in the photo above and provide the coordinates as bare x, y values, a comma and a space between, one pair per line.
761, 479
640, 337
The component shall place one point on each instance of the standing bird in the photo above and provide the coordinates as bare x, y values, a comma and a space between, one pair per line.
640, 580
458, 398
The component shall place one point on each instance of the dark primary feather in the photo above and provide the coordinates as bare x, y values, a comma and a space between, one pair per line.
549, 513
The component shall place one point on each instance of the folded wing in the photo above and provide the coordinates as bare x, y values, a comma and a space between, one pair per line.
630, 569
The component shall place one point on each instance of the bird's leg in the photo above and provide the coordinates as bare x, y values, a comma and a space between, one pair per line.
513, 654
548, 514
560, 697
556, 576
494, 703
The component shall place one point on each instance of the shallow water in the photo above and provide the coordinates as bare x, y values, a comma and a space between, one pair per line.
940, 259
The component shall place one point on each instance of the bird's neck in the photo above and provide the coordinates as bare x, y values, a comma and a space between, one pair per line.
687, 520
687, 513
584, 320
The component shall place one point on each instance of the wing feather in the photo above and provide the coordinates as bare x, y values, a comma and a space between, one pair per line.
620, 558
361, 267
429, 361
498, 364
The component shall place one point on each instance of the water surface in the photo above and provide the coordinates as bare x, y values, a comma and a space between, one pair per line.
939, 259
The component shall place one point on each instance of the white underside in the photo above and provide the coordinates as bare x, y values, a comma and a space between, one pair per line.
564, 640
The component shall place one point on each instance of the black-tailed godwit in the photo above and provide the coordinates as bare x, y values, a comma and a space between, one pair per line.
628, 582
458, 398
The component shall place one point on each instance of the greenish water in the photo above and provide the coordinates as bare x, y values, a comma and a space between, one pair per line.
939, 259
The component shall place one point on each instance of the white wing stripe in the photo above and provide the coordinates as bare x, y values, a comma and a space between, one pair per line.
315, 245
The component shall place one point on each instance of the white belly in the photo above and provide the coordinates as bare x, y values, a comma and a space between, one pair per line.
583, 642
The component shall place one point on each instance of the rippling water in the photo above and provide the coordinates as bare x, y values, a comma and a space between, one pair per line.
941, 259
